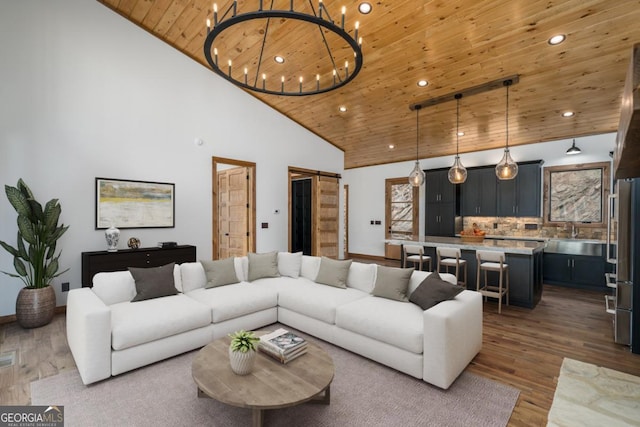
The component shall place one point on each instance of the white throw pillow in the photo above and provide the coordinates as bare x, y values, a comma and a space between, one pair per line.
193, 276
362, 276
289, 264
310, 266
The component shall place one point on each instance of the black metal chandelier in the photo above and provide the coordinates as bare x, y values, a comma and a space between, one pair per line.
329, 73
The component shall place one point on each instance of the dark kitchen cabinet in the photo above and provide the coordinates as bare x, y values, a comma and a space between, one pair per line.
479, 193
442, 203
574, 271
438, 187
521, 196
440, 219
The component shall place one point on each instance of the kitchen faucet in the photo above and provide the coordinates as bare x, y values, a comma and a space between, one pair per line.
574, 231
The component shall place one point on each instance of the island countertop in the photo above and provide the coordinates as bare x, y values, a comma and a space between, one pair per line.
506, 246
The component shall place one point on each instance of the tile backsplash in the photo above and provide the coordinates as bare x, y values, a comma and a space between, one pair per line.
530, 227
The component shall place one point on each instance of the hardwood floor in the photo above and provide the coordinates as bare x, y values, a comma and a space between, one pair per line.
523, 348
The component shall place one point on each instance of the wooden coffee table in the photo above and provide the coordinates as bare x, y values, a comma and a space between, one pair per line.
271, 385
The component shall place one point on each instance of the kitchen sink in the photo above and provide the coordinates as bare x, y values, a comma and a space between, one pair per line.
574, 247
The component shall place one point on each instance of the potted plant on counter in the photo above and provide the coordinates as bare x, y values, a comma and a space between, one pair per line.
34, 258
242, 351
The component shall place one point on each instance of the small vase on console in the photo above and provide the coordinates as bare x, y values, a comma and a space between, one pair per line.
112, 235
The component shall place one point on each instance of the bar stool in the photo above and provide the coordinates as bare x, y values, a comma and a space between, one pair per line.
415, 254
450, 257
493, 261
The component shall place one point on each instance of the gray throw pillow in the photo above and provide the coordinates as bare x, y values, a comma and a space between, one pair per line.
219, 273
433, 290
154, 282
333, 272
392, 283
263, 265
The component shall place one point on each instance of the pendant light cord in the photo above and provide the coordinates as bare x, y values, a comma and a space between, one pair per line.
507, 83
418, 107
457, 96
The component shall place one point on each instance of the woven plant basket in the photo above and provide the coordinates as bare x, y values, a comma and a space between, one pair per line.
35, 307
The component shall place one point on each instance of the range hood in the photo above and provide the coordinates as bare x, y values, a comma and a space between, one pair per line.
626, 159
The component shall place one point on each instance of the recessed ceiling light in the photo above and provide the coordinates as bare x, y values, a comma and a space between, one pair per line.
342, 109
460, 133
557, 39
391, 146
568, 114
279, 59
364, 8
422, 83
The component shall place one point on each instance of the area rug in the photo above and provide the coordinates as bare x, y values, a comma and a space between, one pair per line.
589, 395
363, 393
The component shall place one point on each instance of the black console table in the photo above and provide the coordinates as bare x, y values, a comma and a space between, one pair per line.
101, 261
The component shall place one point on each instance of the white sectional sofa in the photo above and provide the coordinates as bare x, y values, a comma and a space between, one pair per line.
108, 334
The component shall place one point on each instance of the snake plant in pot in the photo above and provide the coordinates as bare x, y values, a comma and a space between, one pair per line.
34, 259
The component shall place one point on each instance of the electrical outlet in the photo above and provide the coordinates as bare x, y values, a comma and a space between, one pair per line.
65, 287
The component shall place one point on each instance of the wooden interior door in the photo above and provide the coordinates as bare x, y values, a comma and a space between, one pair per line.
234, 213
223, 214
237, 220
327, 213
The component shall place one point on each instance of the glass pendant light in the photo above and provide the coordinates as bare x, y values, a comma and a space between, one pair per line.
416, 177
507, 168
457, 173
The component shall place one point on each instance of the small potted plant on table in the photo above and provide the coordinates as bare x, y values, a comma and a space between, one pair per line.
242, 351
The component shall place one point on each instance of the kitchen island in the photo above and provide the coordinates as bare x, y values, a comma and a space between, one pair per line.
524, 258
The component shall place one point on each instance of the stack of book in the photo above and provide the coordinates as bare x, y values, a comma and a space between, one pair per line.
283, 345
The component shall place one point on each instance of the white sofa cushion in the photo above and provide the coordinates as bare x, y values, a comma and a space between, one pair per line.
193, 276
114, 287
393, 322
315, 300
361, 276
289, 264
231, 301
242, 268
310, 266
134, 323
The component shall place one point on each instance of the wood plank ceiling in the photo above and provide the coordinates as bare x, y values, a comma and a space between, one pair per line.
453, 45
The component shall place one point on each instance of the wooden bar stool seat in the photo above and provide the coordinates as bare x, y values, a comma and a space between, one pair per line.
451, 258
493, 261
415, 254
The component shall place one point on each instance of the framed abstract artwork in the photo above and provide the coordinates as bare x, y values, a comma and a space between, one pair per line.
576, 194
134, 204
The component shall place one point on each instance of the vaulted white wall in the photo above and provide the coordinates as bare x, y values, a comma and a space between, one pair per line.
366, 185
87, 94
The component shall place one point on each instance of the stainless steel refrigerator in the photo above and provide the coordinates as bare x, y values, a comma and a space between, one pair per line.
621, 251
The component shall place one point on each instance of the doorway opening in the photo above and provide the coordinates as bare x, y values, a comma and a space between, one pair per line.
314, 212
233, 207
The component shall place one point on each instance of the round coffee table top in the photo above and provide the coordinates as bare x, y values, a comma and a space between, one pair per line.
271, 385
